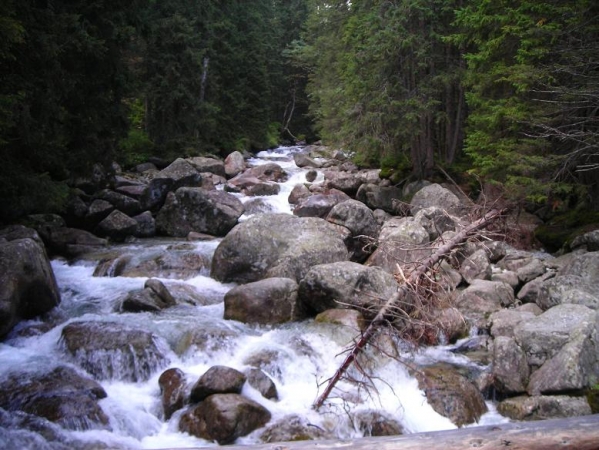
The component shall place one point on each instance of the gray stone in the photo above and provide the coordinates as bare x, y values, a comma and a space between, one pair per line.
262, 383
482, 298
117, 226
207, 164
435, 195
217, 380
234, 164
476, 267
268, 301
543, 407
172, 391
378, 197
510, 366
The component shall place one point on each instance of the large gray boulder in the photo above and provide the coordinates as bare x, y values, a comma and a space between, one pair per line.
27, 284
196, 209
377, 197
217, 380
360, 221
435, 195
123, 203
343, 181
481, 299
346, 284
117, 226
223, 418
112, 351
510, 367
268, 301
234, 164
61, 396
207, 164
402, 241
319, 205
276, 245
72, 241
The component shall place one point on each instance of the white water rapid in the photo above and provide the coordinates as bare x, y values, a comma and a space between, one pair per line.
307, 353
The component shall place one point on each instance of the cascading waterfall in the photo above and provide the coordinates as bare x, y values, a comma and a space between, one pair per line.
195, 337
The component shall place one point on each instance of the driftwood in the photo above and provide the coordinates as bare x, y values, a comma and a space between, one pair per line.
414, 279
574, 433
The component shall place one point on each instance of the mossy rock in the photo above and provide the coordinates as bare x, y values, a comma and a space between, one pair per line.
562, 229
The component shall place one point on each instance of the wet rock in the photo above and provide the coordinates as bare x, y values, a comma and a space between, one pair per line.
262, 383
27, 284
378, 197
234, 164
160, 290
112, 267
435, 195
113, 351
175, 262
61, 396
206, 339
117, 226
195, 209
298, 193
252, 186
206, 164
172, 384
482, 298
268, 301
311, 175
346, 285
293, 428
217, 380
510, 366
451, 324
319, 205
349, 318
276, 245
71, 242
268, 172
304, 160
143, 300
223, 418
359, 220
543, 407
452, 395
375, 423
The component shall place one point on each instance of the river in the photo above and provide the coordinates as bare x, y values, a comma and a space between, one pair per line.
307, 352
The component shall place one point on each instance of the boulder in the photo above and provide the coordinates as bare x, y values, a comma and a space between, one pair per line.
27, 284
298, 193
311, 175
172, 391
155, 193
252, 186
195, 209
435, 195
183, 174
359, 220
71, 242
206, 164
451, 394
304, 160
375, 423
98, 210
223, 418
276, 245
350, 318
61, 396
217, 380
435, 221
481, 299
588, 241
142, 300
343, 181
346, 284
543, 407
112, 351
510, 367
234, 164
117, 226
568, 289
319, 205
146, 225
504, 321
267, 172
262, 383
268, 301
401, 241
293, 428
123, 203
476, 267
377, 197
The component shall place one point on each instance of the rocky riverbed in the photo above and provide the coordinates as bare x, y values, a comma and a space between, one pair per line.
226, 291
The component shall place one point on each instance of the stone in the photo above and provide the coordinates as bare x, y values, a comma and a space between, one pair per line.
510, 366
276, 245
27, 283
146, 225
350, 318
481, 299
224, 418
207, 164
378, 197
298, 193
435, 221
504, 321
568, 289
112, 351
319, 205
61, 396
476, 267
123, 203
346, 284
268, 301
234, 164
375, 423
304, 160
543, 407
451, 394
195, 209
172, 391
72, 242
262, 383
117, 226
435, 195
343, 181
98, 210
217, 380
293, 428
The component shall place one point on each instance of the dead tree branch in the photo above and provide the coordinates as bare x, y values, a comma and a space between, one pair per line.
416, 277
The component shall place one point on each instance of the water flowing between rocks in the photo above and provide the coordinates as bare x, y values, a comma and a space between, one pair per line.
193, 338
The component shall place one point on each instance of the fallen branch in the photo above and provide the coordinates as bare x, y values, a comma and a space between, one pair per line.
414, 279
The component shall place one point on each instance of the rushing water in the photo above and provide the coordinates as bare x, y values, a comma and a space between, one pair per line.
307, 353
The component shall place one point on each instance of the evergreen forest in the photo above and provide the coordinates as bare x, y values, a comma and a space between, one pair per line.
494, 92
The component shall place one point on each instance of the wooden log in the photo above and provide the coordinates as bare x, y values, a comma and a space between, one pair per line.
573, 433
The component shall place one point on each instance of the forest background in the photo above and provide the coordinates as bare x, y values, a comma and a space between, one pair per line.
501, 93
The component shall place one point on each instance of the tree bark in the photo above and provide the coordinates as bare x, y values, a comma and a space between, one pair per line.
573, 433
413, 280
